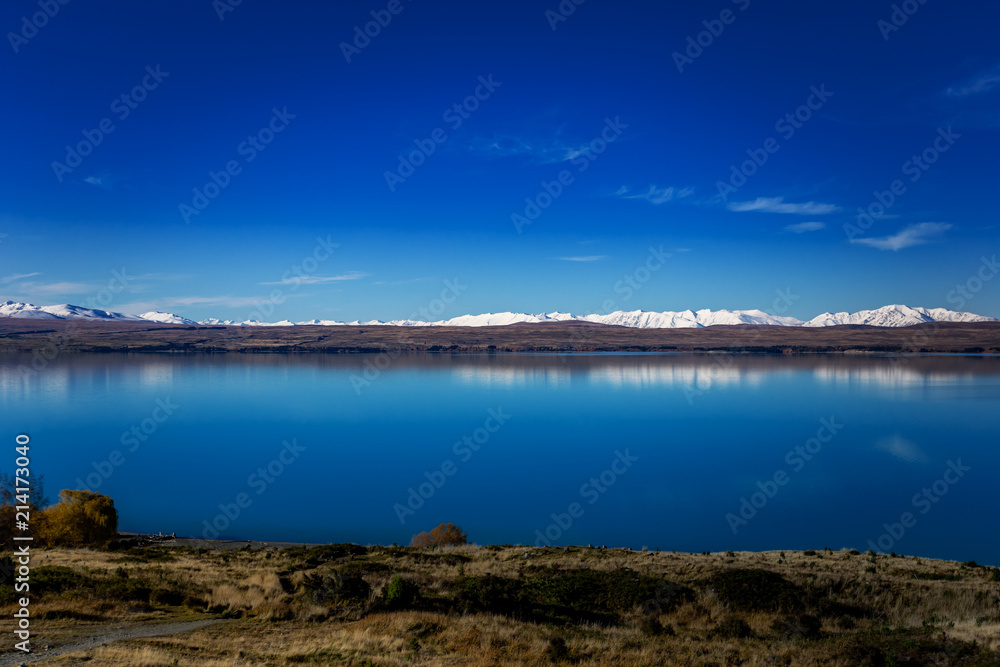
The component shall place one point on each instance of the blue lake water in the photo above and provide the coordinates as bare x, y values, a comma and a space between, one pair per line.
623, 449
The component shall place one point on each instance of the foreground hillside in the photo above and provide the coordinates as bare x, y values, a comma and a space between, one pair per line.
502, 605
50, 337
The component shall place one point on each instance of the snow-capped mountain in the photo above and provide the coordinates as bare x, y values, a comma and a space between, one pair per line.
886, 316
60, 312
165, 318
895, 316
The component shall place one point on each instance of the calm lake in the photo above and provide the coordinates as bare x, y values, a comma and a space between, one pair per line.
684, 452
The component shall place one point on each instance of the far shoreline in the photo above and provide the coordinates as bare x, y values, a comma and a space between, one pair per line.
50, 337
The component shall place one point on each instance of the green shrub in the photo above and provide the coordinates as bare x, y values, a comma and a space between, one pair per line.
55, 579
401, 593
334, 589
493, 594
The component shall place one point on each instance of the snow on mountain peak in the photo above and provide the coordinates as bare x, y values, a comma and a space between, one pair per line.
165, 318
895, 315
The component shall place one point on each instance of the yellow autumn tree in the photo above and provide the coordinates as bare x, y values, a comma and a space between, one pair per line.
79, 518
445, 534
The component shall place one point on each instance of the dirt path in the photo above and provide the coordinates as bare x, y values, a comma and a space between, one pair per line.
108, 635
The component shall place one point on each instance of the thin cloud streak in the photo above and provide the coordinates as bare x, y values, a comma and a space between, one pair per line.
655, 195
803, 227
316, 280
918, 234
981, 83
18, 276
779, 205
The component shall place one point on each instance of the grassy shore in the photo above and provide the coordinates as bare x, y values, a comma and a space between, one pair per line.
504, 605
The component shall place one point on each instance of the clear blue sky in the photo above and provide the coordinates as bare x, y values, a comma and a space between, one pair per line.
682, 122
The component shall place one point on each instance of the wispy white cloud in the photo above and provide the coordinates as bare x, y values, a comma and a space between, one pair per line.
980, 83
544, 151
58, 288
655, 194
913, 235
18, 276
585, 258
409, 281
317, 280
779, 205
172, 303
101, 181
805, 227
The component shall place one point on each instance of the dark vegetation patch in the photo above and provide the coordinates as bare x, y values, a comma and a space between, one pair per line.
732, 627
568, 596
145, 555
756, 590
362, 567
57, 581
314, 556
918, 646
334, 589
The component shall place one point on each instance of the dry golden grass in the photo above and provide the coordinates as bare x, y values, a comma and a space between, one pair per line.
905, 594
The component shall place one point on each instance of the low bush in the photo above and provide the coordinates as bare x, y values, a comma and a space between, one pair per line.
446, 534
756, 590
401, 593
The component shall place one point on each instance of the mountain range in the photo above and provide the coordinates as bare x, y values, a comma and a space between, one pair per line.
886, 316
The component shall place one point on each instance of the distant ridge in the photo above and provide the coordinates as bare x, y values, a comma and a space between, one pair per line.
886, 316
